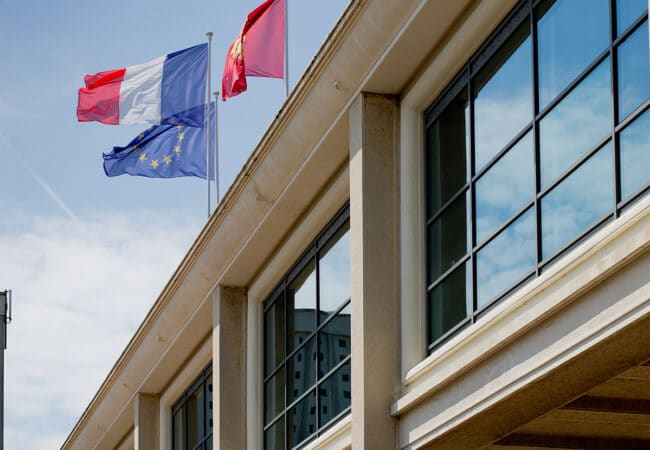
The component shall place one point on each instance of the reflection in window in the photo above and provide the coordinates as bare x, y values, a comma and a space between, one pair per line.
506, 259
515, 184
309, 388
633, 72
627, 12
503, 104
588, 108
635, 156
576, 203
192, 415
570, 34
505, 188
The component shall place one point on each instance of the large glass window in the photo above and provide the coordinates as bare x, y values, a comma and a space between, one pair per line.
307, 361
542, 138
192, 415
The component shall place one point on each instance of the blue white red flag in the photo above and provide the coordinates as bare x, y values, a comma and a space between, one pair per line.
170, 89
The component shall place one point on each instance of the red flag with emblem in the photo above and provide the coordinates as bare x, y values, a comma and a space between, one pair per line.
258, 50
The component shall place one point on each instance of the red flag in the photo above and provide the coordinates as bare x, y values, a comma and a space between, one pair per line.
258, 50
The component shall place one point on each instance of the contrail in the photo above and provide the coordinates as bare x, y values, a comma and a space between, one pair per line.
46, 187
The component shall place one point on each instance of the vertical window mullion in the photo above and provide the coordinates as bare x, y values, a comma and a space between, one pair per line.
613, 56
536, 144
472, 215
286, 359
317, 336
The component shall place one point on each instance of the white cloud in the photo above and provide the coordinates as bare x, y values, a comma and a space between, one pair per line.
77, 301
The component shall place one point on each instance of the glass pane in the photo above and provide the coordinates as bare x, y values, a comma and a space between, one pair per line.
505, 188
576, 203
302, 420
448, 238
577, 124
301, 297
571, 33
334, 341
209, 408
274, 396
507, 258
627, 11
195, 418
450, 302
503, 104
635, 155
334, 273
274, 436
335, 394
178, 431
274, 330
302, 370
633, 72
446, 154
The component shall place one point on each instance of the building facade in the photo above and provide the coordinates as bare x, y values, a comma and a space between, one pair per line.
442, 241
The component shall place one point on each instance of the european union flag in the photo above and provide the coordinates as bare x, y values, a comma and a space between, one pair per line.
163, 151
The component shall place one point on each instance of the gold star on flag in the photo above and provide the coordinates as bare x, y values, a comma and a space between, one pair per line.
167, 159
141, 136
136, 148
181, 136
154, 163
179, 126
177, 149
143, 157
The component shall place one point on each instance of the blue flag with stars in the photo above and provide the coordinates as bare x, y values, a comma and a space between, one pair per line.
163, 151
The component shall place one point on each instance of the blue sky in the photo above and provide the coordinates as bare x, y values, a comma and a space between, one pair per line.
86, 255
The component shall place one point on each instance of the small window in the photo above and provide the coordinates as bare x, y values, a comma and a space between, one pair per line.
192, 415
307, 342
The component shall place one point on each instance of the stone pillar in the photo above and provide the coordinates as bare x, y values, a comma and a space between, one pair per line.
229, 368
374, 121
146, 430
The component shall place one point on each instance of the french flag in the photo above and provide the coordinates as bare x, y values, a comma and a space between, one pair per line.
170, 89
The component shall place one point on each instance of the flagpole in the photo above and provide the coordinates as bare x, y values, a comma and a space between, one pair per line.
207, 121
216, 143
286, 49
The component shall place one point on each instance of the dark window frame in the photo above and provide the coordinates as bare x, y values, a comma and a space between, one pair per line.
310, 255
522, 13
204, 381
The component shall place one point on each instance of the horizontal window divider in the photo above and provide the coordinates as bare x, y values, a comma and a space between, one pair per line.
306, 440
333, 228
571, 244
631, 29
505, 225
301, 397
575, 166
496, 158
444, 275
454, 88
497, 298
632, 116
275, 420
333, 420
448, 203
567, 90
333, 314
633, 197
452, 331
335, 368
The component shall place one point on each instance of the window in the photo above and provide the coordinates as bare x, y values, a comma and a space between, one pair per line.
307, 342
192, 415
541, 139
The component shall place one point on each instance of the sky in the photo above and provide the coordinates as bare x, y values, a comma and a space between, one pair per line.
86, 255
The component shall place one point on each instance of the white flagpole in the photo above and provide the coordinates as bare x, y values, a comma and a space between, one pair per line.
216, 143
286, 49
207, 122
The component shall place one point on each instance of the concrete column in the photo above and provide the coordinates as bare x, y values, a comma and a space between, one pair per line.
146, 430
374, 121
229, 368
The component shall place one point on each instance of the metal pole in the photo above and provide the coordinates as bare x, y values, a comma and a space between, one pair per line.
207, 122
286, 49
5, 318
216, 143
